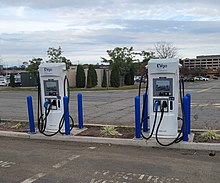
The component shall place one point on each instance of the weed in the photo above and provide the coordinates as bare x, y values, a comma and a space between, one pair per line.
18, 125
210, 135
109, 131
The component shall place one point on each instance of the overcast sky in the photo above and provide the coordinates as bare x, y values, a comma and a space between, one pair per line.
85, 29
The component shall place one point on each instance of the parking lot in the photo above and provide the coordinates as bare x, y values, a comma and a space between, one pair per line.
117, 107
27, 161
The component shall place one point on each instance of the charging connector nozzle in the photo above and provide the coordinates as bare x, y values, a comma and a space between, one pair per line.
164, 104
46, 103
156, 105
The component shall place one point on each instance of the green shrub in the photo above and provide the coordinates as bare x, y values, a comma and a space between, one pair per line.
80, 77
129, 77
115, 76
91, 77
12, 80
104, 79
210, 135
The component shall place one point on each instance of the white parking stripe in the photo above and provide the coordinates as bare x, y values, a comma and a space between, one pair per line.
58, 165
141, 177
200, 91
73, 157
62, 163
34, 178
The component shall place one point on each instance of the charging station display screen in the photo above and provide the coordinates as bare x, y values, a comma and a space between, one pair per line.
163, 86
51, 88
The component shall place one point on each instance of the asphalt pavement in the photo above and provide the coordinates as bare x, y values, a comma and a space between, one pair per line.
26, 161
68, 159
117, 107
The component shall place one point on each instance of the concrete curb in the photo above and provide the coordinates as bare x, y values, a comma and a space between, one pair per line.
14, 134
131, 142
115, 141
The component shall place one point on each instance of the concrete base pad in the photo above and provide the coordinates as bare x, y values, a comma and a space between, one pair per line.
76, 131
168, 139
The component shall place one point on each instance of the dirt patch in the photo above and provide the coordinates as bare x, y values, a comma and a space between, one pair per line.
14, 126
96, 131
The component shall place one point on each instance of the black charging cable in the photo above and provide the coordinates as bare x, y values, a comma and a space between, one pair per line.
164, 104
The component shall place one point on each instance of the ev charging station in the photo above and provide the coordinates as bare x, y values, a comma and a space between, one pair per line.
163, 78
52, 89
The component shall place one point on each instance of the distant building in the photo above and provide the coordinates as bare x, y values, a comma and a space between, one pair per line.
71, 74
202, 62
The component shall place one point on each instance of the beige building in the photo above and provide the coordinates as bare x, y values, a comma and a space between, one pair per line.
203, 62
71, 74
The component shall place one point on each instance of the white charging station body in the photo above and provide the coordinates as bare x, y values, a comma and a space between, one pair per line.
163, 81
52, 90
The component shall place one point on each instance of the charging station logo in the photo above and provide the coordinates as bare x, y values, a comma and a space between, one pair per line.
162, 66
48, 70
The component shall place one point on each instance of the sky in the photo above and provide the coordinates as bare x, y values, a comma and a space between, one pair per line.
86, 29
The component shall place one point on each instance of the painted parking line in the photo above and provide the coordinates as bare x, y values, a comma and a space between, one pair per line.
217, 104
56, 166
205, 105
200, 91
60, 164
6, 164
107, 176
64, 162
34, 178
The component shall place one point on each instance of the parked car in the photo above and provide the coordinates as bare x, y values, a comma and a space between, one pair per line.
200, 78
3, 81
215, 77
188, 79
138, 79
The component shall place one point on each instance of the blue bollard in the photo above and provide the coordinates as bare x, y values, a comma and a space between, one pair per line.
137, 118
30, 114
185, 120
189, 116
145, 112
80, 110
66, 115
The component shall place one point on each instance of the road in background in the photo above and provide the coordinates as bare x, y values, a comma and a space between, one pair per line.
117, 107
26, 161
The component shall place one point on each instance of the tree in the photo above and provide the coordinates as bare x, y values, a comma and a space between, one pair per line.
125, 59
34, 64
104, 79
55, 55
12, 80
165, 50
122, 57
80, 77
142, 60
91, 77
129, 77
115, 77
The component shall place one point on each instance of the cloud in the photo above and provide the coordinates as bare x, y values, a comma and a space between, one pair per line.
86, 29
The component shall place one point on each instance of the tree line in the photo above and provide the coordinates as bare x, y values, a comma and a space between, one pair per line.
123, 63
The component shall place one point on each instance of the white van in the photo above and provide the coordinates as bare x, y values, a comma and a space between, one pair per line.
3, 81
